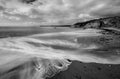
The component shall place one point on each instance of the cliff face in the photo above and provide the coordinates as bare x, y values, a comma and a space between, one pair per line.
109, 22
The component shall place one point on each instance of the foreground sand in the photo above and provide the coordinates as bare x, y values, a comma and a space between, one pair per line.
79, 70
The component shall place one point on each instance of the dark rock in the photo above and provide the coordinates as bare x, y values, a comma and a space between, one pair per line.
109, 22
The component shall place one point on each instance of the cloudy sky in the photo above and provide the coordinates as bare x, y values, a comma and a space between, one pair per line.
45, 12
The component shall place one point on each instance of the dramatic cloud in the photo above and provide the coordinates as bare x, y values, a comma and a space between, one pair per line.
57, 11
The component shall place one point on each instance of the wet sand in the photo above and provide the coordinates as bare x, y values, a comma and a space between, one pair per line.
79, 70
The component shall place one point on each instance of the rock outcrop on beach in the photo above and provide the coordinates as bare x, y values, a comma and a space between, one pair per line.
109, 25
109, 22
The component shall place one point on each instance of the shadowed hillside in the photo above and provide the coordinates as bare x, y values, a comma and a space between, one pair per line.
109, 22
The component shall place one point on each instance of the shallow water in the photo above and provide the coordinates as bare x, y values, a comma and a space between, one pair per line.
54, 46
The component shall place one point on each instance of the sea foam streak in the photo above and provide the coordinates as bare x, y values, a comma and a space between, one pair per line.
51, 50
